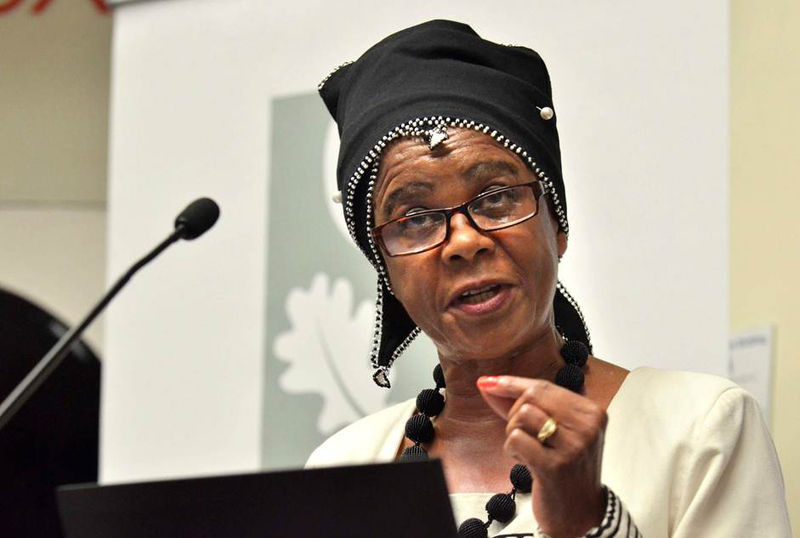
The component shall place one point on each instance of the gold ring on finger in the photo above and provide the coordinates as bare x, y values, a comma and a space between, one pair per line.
547, 431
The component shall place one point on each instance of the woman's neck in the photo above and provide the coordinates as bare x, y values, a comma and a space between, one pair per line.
466, 407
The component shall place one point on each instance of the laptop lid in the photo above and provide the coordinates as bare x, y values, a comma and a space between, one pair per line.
389, 500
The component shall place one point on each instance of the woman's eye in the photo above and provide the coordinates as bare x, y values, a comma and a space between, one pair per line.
416, 226
419, 221
495, 187
498, 198
414, 210
497, 203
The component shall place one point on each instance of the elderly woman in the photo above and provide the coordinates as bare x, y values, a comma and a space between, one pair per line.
450, 178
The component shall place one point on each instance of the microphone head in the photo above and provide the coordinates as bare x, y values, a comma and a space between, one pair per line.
197, 218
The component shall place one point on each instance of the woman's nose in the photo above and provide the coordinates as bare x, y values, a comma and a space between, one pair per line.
465, 241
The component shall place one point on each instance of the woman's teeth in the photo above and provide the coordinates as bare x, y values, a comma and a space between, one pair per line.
479, 295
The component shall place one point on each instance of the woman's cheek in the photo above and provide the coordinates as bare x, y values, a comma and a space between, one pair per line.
402, 282
416, 290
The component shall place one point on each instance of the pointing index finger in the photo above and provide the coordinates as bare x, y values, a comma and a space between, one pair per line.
509, 386
502, 393
544, 394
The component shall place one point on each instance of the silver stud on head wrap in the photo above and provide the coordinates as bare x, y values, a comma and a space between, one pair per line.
546, 113
436, 136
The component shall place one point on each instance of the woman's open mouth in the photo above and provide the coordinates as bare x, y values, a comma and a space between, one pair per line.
482, 300
480, 295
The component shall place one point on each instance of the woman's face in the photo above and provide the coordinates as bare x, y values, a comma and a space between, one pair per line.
517, 265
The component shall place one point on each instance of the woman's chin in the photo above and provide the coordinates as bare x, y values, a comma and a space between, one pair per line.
487, 347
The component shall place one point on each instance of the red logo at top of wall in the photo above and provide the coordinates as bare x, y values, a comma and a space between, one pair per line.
6, 6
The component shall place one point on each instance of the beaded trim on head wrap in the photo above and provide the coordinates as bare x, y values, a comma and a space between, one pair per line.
324, 80
571, 300
424, 127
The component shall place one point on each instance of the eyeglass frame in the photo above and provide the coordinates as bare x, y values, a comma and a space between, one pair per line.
536, 186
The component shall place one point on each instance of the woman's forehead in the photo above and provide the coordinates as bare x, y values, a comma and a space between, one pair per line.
465, 153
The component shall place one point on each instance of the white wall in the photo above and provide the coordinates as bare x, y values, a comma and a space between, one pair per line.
641, 90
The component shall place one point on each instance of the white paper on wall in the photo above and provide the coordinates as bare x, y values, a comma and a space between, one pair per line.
750, 364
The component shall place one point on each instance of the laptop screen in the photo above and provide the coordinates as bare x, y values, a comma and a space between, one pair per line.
390, 500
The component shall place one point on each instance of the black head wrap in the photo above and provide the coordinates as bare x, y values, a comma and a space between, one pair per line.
420, 82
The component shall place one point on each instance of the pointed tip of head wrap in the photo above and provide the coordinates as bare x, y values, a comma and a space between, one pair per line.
330, 88
381, 377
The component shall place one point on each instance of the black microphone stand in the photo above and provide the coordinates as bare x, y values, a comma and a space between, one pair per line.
47, 365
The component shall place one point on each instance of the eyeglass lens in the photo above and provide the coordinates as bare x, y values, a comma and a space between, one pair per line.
492, 211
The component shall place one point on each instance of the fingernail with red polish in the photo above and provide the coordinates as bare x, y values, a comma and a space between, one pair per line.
488, 381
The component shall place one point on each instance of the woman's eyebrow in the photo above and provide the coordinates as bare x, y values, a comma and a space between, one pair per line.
490, 169
481, 171
405, 192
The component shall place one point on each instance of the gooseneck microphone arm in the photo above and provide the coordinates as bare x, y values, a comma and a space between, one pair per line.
195, 220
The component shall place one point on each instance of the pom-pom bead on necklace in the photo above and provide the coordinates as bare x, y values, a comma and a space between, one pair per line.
420, 430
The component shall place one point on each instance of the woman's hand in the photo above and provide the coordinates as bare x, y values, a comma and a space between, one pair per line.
568, 498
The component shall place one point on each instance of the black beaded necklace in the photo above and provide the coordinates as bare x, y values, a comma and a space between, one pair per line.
501, 507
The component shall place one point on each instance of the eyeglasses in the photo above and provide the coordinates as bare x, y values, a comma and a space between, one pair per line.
489, 211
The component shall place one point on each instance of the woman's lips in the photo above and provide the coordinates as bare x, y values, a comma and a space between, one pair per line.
485, 302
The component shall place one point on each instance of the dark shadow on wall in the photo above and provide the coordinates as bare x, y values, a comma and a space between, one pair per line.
53, 439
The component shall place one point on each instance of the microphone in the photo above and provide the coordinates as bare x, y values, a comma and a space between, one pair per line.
197, 218
192, 222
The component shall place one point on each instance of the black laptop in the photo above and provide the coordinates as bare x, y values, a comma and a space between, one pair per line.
392, 500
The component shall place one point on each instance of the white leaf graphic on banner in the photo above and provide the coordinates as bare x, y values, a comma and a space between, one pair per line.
327, 349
